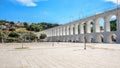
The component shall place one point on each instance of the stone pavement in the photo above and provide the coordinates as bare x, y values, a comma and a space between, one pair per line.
61, 55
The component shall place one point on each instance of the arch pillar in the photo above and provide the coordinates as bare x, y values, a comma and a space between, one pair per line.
50, 33
71, 30
107, 38
63, 31
106, 24
81, 28
57, 31
54, 32
68, 33
88, 28
76, 29
96, 26
81, 39
118, 22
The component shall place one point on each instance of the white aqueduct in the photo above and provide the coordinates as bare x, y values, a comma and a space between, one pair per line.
75, 31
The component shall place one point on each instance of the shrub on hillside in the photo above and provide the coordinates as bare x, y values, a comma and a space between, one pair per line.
43, 36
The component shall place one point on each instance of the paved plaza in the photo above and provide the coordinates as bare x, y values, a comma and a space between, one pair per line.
59, 55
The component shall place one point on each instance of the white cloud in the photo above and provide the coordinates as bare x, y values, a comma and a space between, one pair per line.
113, 18
114, 1
29, 2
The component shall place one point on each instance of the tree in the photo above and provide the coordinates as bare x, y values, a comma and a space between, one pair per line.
31, 27
30, 36
12, 23
2, 22
12, 29
25, 24
36, 29
43, 36
91, 29
3, 36
11, 39
101, 28
113, 25
40, 26
14, 34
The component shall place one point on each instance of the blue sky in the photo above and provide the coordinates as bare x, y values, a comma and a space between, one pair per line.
52, 11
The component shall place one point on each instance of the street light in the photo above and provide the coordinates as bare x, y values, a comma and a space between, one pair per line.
84, 36
52, 38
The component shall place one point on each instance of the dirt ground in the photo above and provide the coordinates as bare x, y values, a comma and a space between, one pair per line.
59, 55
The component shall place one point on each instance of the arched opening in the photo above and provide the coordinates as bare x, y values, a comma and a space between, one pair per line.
78, 29
77, 38
91, 27
74, 38
100, 38
64, 39
113, 38
82, 39
69, 31
84, 28
92, 40
73, 30
67, 38
65, 30
89, 38
113, 21
101, 23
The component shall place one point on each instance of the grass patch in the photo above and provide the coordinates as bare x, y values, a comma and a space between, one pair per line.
92, 47
22, 48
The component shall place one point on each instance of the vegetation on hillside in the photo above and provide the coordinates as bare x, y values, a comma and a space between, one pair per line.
22, 32
31, 27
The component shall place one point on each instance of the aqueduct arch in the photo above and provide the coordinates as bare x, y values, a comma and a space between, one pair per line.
112, 38
75, 30
113, 20
99, 38
89, 38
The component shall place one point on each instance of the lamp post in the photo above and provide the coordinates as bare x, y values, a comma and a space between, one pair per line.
29, 38
84, 37
84, 42
22, 39
52, 39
